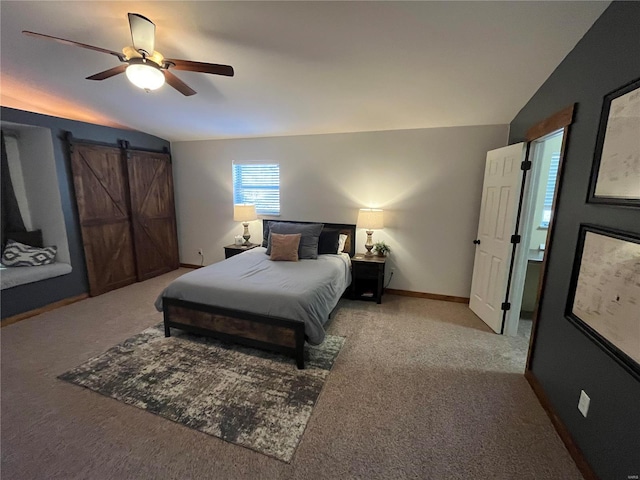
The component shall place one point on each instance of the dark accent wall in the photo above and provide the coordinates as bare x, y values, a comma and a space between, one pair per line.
34, 295
564, 359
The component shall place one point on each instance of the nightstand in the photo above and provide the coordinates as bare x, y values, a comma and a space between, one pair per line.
231, 250
367, 277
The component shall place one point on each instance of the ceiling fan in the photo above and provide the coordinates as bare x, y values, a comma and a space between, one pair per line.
144, 66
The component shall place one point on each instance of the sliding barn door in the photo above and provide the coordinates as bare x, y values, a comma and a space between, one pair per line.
102, 196
153, 213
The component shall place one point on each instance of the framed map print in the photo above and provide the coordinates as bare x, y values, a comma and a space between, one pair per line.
605, 293
616, 170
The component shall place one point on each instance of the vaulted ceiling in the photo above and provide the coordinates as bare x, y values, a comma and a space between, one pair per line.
300, 67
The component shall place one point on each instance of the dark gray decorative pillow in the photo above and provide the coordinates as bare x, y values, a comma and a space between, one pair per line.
33, 238
329, 240
18, 254
310, 234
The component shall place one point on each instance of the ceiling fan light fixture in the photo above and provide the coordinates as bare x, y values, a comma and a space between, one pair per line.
144, 66
145, 76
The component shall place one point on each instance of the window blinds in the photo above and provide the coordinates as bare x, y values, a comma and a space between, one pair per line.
550, 190
258, 184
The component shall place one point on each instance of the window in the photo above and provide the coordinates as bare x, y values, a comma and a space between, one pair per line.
258, 184
550, 190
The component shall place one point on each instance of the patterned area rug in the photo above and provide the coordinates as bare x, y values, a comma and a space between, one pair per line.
245, 396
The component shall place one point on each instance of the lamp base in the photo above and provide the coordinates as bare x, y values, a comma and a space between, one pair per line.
246, 235
369, 244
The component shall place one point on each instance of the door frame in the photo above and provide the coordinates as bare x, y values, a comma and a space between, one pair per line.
559, 121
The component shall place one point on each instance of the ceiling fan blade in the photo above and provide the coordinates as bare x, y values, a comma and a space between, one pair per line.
143, 33
108, 73
77, 44
213, 68
178, 84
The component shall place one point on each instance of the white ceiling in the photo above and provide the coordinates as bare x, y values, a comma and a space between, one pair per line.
301, 67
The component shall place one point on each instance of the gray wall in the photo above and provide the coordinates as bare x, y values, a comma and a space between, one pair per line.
428, 181
565, 360
34, 295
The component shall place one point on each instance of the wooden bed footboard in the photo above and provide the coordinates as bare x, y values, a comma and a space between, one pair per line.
254, 330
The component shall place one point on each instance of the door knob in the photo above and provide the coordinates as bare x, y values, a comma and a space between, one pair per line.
477, 242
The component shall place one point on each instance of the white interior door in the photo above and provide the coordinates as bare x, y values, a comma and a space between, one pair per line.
498, 215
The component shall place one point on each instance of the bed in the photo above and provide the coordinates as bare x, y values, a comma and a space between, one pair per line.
251, 300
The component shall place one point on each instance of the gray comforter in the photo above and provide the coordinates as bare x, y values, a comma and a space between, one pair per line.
306, 290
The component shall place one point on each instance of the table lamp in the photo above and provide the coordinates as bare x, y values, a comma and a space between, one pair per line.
371, 219
245, 213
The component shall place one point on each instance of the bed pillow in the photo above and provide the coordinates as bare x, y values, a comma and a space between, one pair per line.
328, 241
32, 238
342, 242
265, 233
310, 234
18, 254
284, 248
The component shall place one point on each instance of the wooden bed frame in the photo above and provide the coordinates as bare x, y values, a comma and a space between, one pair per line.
262, 331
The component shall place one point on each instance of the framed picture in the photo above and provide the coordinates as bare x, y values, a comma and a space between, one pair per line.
604, 299
615, 178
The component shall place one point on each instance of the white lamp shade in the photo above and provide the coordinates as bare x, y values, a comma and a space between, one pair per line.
244, 213
145, 76
370, 218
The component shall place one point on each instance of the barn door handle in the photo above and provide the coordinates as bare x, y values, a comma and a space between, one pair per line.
476, 242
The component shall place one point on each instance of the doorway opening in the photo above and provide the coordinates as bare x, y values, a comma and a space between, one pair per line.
537, 213
519, 195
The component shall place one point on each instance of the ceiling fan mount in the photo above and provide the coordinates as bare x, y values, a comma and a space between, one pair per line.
144, 66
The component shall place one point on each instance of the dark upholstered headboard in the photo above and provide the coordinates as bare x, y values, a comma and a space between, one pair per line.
348, 230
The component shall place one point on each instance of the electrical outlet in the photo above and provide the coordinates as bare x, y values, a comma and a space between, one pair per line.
583, 403
200, 251
392, 270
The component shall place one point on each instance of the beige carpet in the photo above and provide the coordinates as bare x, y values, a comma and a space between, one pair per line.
421, 389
